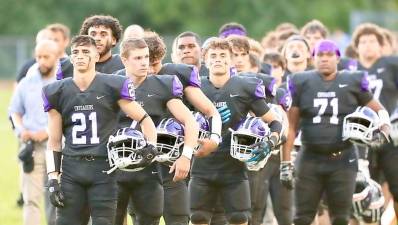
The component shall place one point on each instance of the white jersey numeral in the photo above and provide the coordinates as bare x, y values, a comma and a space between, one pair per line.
82, 140
323, 103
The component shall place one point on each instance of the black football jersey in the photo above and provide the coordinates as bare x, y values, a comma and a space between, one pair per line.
269, 83
324, 104
88, 117
188, 75
240, 94
383, 81
347, 64
153, 95
109, 66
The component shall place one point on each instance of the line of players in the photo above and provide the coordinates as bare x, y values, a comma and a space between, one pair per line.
86, 108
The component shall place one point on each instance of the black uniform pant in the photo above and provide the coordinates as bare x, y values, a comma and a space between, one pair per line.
332, 174
88, 191
176, 201
144, 192
232, 189
281, 197
384, 167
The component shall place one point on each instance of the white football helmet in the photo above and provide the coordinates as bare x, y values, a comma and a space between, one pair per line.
250, 131
359, 126
124, 149
394, 127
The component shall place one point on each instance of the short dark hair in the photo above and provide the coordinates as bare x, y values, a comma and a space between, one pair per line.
130, 44
276, 58
315, 26
231, 28
190, 34
156, 45
103, 20
83, 40
254, 60
239, 42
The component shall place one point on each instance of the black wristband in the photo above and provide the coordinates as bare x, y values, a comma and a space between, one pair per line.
143, 118
275, 126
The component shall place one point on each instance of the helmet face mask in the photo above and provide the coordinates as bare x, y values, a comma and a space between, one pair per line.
170, 140
249, 132
359, 126
394, 127
368, 199
123, 149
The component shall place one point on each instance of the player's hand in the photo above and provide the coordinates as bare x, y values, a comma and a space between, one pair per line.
260, 151
25, 135
380, 137
180, 168
56, 196
39, 136
225, 113
206, 147
287, 174
148, 154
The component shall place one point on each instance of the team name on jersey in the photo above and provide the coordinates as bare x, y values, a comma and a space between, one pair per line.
84, 107
331, 94
220, 104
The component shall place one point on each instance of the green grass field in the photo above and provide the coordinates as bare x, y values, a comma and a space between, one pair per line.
10, 214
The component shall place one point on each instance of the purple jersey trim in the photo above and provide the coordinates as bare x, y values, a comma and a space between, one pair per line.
352, 65
194, 78
272, 87
290, 86
285, 101
365, 83
59, 73
177, 87
46, 104
127, 91
260, 90
233, 71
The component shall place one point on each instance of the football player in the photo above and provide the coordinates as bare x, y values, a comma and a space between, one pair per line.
220, 175
320, 100
158, 95
84, 110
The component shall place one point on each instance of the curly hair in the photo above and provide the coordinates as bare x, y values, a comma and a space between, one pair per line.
367, 29
156, 45
103, 20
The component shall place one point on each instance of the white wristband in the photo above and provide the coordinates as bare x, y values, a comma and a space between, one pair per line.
215, 137
384, 117
187, 152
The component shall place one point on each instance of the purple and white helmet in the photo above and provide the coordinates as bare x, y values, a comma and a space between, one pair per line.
170, 140
204, 126
359, 126
368, 199
250, 131
123, 149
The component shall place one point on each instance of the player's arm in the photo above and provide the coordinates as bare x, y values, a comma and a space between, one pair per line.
275, 126
53, 152
384, 117
200, 101
137, 113
191, 127
293, 116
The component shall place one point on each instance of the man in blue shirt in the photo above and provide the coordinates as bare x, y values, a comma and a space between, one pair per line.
30, 122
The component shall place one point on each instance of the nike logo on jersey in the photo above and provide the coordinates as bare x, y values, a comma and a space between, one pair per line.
231, 95
380, 70
99, 97
154, 172
150, 95
343, 85
351, 160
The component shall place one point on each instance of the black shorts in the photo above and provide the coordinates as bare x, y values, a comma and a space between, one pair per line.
233, 189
